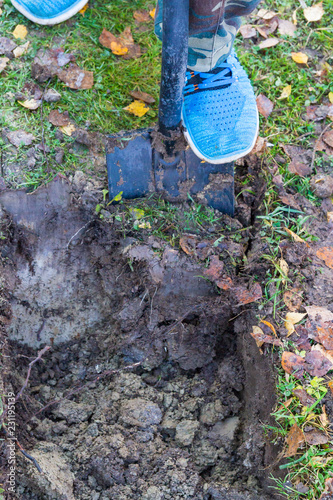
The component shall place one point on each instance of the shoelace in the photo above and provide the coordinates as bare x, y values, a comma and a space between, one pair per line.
218, 78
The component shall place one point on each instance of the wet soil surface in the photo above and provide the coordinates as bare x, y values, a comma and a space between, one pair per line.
153, 388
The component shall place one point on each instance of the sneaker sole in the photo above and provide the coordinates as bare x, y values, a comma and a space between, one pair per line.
54, 20
222, 160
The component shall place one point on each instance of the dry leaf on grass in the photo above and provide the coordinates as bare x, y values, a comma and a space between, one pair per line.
315, 437
299, 168
31, 104
284, 268
137, 108
324, 418
295, 236
293, 299
328, 492
286, 91
20, 138
292, 318
21, 50
244, 296
328, 138
142, 16
142, 96
266, 14
304, 397
294, 439
289, 199
68, 129
314, 13
260, 337
6, 46
76, 78
299, 57
326, 254
152, 13
247, 31
3, 63
84, 9
286, 28
293, 364
59, 119
120, 43
265, 105
317, 364
20, 31
267, 29
267, 44
320, 326
260, 145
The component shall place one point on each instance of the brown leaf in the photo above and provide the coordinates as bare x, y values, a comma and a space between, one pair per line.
326, 254
293, 364
260, 145
267, 44
328, 138
286, 28
47, 63
265, 105
124, 40
188, 244
261, 337
59, 119
299, 168
142, 96
317, 364
76, 78
328, 492
289, 199
3, 63
6, 46
245, 296
304, 397
267, 29
320, 325
315, 437
142, 16
293, 299
294, 439
20, 138
324, 418
247, 31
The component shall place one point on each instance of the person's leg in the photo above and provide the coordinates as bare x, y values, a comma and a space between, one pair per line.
220, 116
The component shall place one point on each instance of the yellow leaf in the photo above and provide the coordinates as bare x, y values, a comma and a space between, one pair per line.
266, 14
68, 129
295, 236
292, 319
137, 213
314, 13
152, 13
20, 31
83, 10
329, 216
299, 57
330, 96
137, 108
144, 224
30, 104
118, 49
269, 325
22, 49
285, 92
3, 63
294, 17
284, 266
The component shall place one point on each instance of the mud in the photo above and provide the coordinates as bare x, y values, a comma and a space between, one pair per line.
153, 388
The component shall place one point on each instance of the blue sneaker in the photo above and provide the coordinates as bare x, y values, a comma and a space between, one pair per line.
48, 11
219, 113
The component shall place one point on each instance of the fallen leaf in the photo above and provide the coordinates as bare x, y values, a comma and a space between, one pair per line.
137, 108
301, 338
265, 105
245, 296
320, 325
124, 40
270, 42
293, 299
21, 50
20, 138
315, 437
142, 16
68, 129
266, 14
328, 491
84, 9
6, 46
260, 337
293, 364
287, 28
76, 78
286, 91
215, 272
268, 28
325, 352
59, 119
317, 364
3, 63
294, 16
295, 236
188, 244
330, 97
289, 199
328, 138
324, 418
267, 323
286, 404
299, 168
247, 31
260, 145
284, 267
329, 216
20, 31
31, 104
142, 96
292, 318
304, 397
299, 57
330, 385
48, 62
314, 13
326, 254
294, 439
152, 13
118, 49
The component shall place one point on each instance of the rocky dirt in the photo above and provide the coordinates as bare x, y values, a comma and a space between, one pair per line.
153, 388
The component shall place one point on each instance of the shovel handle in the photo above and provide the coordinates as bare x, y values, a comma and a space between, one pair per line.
174, 62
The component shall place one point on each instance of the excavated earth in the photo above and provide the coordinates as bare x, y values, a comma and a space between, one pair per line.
153, 388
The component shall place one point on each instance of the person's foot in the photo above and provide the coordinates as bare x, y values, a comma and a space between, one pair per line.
49, 11
219, 114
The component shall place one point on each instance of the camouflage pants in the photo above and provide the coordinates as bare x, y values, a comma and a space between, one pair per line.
213, 28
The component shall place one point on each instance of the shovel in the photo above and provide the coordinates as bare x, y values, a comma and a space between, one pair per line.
145, 161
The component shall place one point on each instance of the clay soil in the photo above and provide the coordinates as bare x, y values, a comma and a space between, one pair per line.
153, 388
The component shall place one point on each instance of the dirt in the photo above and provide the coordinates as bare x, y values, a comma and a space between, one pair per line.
153, 387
